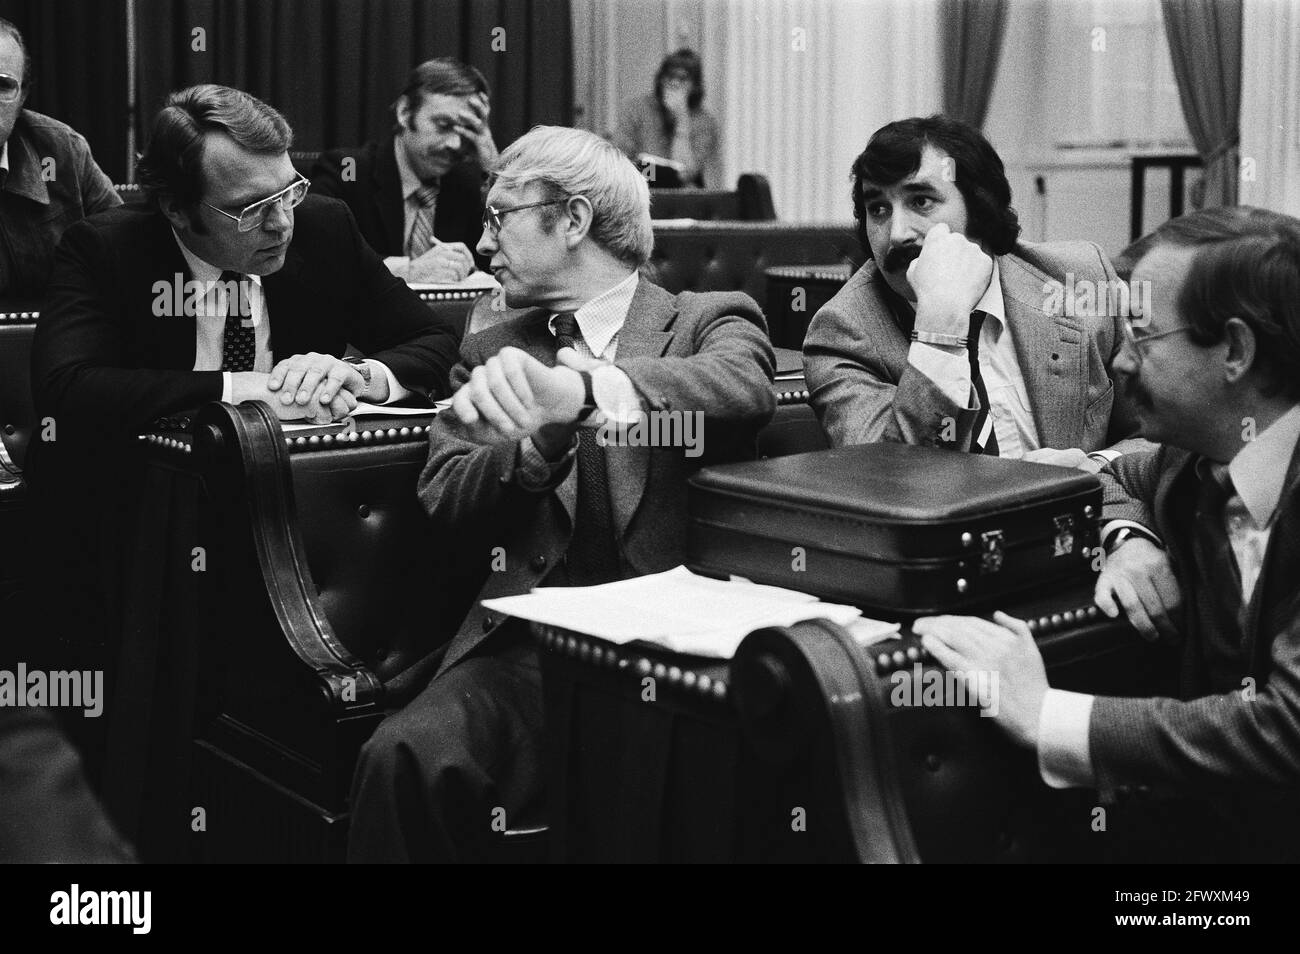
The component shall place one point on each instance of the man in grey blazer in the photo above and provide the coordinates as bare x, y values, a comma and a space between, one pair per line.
955, 334
1203, 530
537, 475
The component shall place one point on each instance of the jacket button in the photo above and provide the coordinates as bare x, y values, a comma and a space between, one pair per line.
488, 622
539, 562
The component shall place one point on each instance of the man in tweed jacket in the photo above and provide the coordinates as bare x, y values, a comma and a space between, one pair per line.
1204, 532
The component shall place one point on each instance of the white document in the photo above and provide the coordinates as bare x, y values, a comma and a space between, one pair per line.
474, 281
678, 610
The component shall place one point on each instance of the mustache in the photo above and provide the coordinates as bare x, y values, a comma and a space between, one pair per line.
898, 258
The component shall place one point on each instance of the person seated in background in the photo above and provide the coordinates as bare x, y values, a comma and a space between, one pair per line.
955, 334
517, 463
234, 285
671, 124
1204, 539
48, 178
417, 194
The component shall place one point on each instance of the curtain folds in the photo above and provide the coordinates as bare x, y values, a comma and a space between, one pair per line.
971, 35
1205, 44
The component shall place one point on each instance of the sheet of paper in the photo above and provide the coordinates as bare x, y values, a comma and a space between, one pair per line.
363, 410
676, 609
473, 281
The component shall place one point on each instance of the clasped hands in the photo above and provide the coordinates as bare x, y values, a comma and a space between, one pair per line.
319, 388
513, 395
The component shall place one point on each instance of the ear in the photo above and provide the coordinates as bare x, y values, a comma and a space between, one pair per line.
578, 215
405, 115
177, 216
1240, 355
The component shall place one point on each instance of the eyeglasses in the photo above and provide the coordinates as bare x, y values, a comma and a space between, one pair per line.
492, 215
255, 215
1136, 344
10, 87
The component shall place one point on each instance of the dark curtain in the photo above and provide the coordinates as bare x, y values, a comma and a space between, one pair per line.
333, 67
78, 53
1205, 43
971, 32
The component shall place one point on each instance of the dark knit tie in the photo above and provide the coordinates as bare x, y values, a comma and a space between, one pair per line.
1219, 603
593, 554
984, 439
422, 231
239, 344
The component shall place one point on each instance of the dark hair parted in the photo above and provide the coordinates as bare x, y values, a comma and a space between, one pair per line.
172, 164
688, 61
1246, 265
894, 153
8, 29
441, 76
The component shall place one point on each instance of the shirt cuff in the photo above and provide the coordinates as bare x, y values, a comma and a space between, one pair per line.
1113, 527
949, 372
1106, 456
616, 396
1064, 758
395, 391
399, 265
534, 472
227, 386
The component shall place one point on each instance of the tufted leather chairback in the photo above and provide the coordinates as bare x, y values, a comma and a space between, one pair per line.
732, 256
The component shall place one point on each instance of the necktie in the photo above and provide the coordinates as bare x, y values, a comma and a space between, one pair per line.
593, 554
239, 343
985, 439
422, 231
1219, 601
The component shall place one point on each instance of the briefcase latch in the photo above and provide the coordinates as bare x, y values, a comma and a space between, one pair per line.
1063, 545
990, 551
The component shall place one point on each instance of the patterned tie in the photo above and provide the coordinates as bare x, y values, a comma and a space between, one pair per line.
985, 439
1220, 610
239, 344
422, 231
593, 553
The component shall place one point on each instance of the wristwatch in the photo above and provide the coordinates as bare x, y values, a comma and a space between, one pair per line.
364, 368
1126, 533
588, 398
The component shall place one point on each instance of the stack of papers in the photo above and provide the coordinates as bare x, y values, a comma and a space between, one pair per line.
681, 611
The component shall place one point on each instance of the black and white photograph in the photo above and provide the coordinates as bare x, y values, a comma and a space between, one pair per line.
652, 432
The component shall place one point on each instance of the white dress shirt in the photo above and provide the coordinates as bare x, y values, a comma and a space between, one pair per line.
1013, 419
210, 327
1258, 476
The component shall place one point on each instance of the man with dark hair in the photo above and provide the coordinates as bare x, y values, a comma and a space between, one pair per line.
956, 334
1215, 368
48, 178
672, 124
417, 194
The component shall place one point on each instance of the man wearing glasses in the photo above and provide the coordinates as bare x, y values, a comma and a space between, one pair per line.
418, 194
48, 178
1204, 533
528, 472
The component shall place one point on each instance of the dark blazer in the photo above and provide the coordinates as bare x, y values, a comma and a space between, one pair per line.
864, 390
689, 352
1240, 751
101, 356
375, 197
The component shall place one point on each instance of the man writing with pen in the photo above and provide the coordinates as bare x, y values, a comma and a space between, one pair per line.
417, 195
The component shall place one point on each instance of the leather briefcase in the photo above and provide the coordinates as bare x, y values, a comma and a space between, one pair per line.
895, 528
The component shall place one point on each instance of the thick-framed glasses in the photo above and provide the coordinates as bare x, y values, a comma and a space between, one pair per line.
492, 215
1136, 343
255, 215
11, 87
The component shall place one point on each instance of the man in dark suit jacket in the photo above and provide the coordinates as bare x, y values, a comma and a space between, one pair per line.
530, 473
894, 355
1204, 539
417, 194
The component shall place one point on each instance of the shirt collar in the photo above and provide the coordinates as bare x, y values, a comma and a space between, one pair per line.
1259, 470
992, 303
204, 271
411, 183
601, 318
4, 156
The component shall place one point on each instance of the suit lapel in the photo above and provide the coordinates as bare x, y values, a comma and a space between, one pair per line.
1275, 588
176, 336
1049, 349
389, 202
645, 334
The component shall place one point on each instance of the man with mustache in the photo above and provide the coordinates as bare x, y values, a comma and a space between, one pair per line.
1216, 367
417, 194
948, 337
